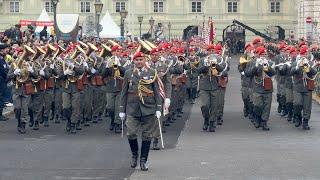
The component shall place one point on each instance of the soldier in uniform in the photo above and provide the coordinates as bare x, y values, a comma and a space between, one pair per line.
141, 102
303, 72
113, 74
262, 72
209, 70
192, 75
73, 85
20, 74
164, 75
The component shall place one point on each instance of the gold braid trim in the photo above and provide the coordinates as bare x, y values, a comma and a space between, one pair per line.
143, 88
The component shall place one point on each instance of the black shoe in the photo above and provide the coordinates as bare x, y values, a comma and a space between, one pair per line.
111, 127
73, 128
211, 127
117, 129
298, 122
265, 126
95, 120
219, 121
42, 121
305, 124
22, 128
36, 126
31, 123
78, 126
46, 122
155, 144
68, 126
86, 123
279, 108
205, 125
145, 147
257, 122
284, 112
57, 120
134, 150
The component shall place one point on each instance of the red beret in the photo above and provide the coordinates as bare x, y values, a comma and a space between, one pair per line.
262, 51
248, 45
257, 40
218, 47
302, 43
154, 51
303, 50
115, 48
125, 54
292, 50
192, 49
130, 45
137, 55
282, 46
180, 50
210, 47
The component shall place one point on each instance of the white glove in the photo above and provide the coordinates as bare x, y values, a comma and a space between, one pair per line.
158, 114
30, 69
122, 115
93, 71
167, 102
51, 66
242, 73
41, 72
17, 72
85, 64
67, 72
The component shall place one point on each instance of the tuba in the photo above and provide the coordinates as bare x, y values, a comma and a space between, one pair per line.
23, 64
106, 51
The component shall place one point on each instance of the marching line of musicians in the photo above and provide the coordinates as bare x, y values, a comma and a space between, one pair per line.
294, 67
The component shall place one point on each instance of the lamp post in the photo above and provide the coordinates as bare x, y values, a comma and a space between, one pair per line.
140, 19
169, 27
123, 15
151, 22
55, 26
98, 5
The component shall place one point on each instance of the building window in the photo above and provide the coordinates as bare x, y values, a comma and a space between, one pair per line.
85, 6
232, 7
48, 6
274, 6
158, 6
14, 6
120, 6
196, 6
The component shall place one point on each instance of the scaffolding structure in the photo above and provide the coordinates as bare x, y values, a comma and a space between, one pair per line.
308, 8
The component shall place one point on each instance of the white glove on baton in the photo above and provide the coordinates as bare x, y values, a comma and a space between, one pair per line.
122, 115
158, 114
93, 71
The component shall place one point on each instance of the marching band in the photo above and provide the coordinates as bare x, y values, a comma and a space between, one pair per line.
140, 84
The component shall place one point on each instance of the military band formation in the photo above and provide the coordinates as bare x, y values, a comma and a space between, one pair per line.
143, 85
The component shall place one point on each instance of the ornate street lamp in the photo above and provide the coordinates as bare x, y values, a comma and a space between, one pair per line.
151, 22
123, 15
55, 26
98, 5
140, 19
169, 27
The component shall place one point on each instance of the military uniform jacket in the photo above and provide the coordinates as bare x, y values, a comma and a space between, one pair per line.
113, 84
130, 101
257, 73
72, 87
164, 75
245, 80
192, 75
299, 80
208, 82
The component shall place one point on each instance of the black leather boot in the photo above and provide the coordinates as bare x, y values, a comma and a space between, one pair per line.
117, 129
279, 103
205, 124
155, 144
134, 150
265, 126
22, 128
305, 124
86, 122
219, 121
46, 121
298, 120
145, 147
111, 115
31, 120
257, 122
78, 126
100, 117
68, 126
95, 119
73, 128
36, 126
211, 126
57, 119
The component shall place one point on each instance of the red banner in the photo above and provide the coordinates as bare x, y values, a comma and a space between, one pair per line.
35, 23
